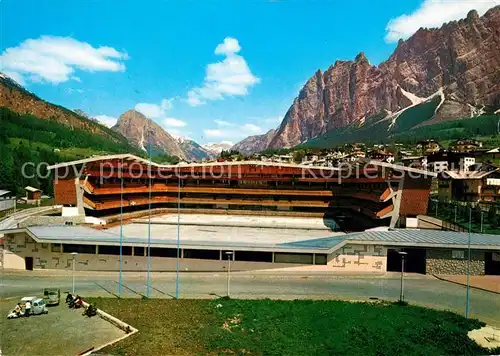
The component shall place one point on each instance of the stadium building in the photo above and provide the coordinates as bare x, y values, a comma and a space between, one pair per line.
268, 215
355, 196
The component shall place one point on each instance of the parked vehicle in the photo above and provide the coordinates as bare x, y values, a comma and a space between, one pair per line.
51, 296
37, 305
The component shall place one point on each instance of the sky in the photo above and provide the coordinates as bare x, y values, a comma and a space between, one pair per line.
210, 70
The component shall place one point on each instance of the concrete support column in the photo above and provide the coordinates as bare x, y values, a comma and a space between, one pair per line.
273, 257
314, 258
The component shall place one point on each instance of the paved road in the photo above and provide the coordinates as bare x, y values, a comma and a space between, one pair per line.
419, 290
12, 220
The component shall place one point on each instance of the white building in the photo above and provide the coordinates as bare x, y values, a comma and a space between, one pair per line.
7, 200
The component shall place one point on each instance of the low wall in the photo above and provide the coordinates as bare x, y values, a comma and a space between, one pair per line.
160, 211
51, 220
441, 261
428, 222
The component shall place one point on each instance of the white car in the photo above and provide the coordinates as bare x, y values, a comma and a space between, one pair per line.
38, 306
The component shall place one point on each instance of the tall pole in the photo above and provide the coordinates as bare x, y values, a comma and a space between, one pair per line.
73, 289
228, 280
178, 267
148, 249
74, 262
468, 266
455, 213
482, 212
120, 282
401, 293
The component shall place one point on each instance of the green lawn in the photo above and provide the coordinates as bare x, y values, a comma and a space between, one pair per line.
270, 327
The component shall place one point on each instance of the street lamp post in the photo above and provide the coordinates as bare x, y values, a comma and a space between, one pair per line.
229, 257
482, 212
401, 294
74, 256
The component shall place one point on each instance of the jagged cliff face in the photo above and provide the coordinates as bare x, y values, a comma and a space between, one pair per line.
462, 58
138, 129
254, 143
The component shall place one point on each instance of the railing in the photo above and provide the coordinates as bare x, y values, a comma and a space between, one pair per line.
460, 216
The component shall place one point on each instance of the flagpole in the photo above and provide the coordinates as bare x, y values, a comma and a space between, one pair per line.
468, 266
120, 281
178, 237
148, 282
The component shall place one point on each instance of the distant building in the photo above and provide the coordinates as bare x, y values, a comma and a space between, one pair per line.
7, 200
449, 161
467, 145
428, 146
382, 156
479, 183
33, 195
415, 161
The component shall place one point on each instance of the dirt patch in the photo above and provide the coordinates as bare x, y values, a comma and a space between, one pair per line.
60, 332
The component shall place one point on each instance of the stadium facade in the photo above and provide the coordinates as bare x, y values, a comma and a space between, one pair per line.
357, 196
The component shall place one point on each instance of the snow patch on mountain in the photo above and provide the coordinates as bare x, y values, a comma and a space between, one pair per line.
218, 147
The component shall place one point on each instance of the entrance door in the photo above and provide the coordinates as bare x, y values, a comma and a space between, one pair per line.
29, 263
492, 263
414, 260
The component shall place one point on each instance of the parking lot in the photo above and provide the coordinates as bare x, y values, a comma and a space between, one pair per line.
60, 332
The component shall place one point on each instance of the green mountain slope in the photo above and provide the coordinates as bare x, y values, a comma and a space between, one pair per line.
27, 139
410, 127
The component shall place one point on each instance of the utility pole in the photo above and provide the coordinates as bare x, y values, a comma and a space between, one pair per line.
229, 257
401, 293
468, 266
74, 255
120, 288
178, 267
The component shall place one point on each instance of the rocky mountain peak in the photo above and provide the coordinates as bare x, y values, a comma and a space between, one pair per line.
361, 57
472, 16
460, 60
141, 130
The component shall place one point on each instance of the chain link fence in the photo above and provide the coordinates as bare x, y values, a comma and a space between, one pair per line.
460, 216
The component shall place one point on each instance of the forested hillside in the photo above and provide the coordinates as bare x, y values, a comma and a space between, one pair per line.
25, 138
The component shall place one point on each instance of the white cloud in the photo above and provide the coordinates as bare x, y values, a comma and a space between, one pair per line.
223, 123
433, 13
179, 135
154, 111
172, 122
55, 59
74, 90
228, 47
106, 120
230, 77
213, 133
273, 120
234, 133
16, 76
252, 129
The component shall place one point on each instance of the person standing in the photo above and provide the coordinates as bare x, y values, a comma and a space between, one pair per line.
27, 308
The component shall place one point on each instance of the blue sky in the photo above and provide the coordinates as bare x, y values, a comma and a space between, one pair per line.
209, 70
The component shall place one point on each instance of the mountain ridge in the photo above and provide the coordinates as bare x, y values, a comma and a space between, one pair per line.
461, 58
138, 129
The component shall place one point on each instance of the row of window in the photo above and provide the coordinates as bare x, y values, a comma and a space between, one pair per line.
248, 256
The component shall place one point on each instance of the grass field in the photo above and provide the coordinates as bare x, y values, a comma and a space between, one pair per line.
269, 327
